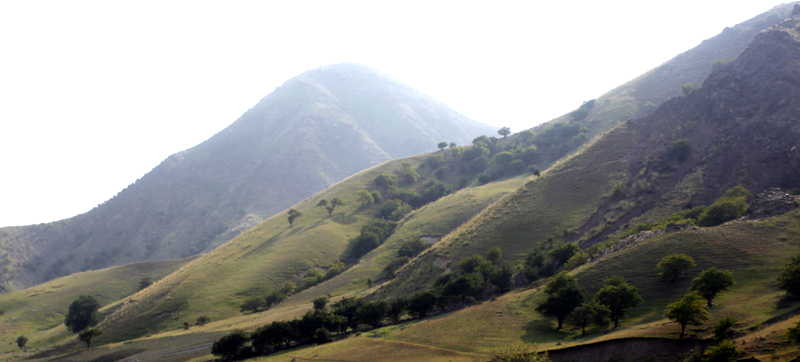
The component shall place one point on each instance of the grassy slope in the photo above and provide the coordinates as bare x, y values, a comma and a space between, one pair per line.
39, 312
272, 253
760, 248
559, 201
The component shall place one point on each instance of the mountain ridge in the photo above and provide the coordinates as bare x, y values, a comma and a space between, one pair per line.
296, 141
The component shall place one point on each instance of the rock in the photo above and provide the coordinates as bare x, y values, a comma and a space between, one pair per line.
770, 203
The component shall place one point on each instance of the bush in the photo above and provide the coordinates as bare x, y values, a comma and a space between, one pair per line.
688, 88
412, 248
376, 195
516, 167
680, 150
564, 252
385, 180
729, 207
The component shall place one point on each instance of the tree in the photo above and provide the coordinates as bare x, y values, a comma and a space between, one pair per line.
494, 255
691, 310
320, 303
724, 328
453, 144
88, 335
505, 131
725, 352
618, 296
710, 282
563, 296
365, 197
589, 311
396, 309
674, 266
376, 196
21, 342
463, 286
231, 346
82, 313
331, 205
145, 282
789, 278
185, 326
373, 313
442, 145
202, 320
793, 333
475, 264
252, 304
293, 215
564, 251
502, 278
680, 150
421, 304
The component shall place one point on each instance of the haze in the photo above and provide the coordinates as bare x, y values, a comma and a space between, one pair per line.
95, 94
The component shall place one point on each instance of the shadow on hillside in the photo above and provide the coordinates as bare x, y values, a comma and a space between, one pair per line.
343, 219
538, 329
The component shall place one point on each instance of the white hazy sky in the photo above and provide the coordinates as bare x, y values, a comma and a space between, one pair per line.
93, 95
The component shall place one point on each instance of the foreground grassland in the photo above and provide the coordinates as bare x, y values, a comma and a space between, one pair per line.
39, 312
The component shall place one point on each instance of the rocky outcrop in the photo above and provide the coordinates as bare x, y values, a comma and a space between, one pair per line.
771, 202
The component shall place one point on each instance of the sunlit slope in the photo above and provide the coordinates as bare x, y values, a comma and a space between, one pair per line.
34, 310
753, 251
433, 220
550, 207
272, 253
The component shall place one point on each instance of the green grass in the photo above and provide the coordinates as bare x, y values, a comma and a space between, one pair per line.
39, 312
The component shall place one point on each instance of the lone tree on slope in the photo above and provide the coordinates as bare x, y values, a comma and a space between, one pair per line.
563, 296
21, 342
293, 214
618, 296
505, 131
674, 266
82, 313
688, 311
711, 282
331, 205
88, 335
442, 145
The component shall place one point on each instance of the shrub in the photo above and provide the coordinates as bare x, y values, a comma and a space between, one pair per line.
412, 247
729, 207
688, 88
680, 150
675, 265
385, 180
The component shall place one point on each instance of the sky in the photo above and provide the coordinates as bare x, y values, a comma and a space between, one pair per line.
94, 94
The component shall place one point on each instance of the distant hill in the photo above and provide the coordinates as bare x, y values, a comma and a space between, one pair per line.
311, 132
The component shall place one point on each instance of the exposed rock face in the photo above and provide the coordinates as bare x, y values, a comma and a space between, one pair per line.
770, 203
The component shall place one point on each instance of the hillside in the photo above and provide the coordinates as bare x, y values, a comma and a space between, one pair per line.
311, 132
642, 95
739, 128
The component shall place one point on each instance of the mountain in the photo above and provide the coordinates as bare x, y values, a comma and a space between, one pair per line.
741, 127
311, 132
642, 95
